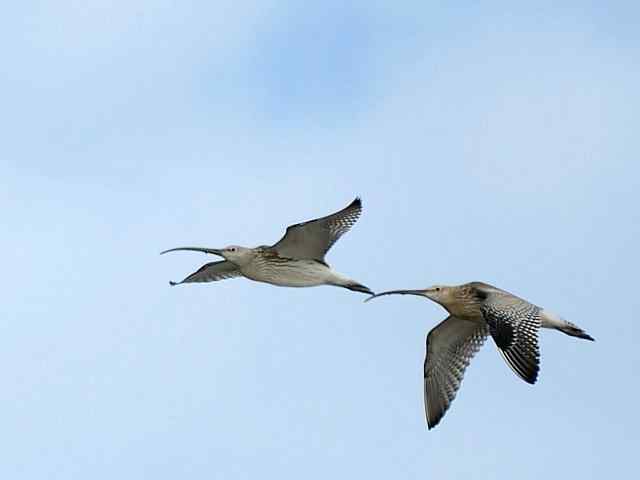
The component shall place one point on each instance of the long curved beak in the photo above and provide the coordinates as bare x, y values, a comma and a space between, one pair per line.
397, 292
213, 251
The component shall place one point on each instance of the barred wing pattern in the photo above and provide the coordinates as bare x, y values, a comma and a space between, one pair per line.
212, 272
313, 239
450, 347
514, 324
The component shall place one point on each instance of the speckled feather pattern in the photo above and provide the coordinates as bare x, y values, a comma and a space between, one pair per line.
340, 224
514, 324
450, 347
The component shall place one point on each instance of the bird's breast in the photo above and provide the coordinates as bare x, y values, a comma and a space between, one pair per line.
466, 312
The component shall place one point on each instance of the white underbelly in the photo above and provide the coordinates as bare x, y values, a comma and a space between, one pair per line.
299, 273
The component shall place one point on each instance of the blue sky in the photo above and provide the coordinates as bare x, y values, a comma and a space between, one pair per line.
488, 142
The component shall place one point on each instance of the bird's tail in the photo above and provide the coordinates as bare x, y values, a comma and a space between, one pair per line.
575, 331
551, 320
341, 281
358, 287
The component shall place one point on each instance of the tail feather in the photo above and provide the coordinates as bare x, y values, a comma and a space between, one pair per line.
345, 282
551, 320
357, 287
575, 331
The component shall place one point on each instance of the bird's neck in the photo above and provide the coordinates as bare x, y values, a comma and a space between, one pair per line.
246, 258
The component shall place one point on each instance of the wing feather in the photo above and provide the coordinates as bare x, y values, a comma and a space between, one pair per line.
313, 239
450, 347
514, 324
212, 272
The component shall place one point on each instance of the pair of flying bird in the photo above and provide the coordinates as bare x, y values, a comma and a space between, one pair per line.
476, 310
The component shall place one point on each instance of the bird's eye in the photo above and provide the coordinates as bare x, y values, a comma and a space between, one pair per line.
437, 289
232, 249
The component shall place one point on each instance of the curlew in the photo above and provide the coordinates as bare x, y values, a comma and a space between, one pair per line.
477, 310
296, 260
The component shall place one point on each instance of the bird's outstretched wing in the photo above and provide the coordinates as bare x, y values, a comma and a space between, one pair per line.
514, 324
313, 239
212, 272
450, 347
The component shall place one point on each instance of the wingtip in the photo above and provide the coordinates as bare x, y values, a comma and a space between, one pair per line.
357, 202
433, 423
531, 377
172, 283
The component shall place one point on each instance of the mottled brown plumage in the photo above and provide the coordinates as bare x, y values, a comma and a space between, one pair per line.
478, 310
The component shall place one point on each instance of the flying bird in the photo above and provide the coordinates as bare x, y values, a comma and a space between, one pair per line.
296, 260
477, 310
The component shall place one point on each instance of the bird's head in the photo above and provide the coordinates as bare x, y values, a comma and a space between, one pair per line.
236, 254
438, 293
233, 253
